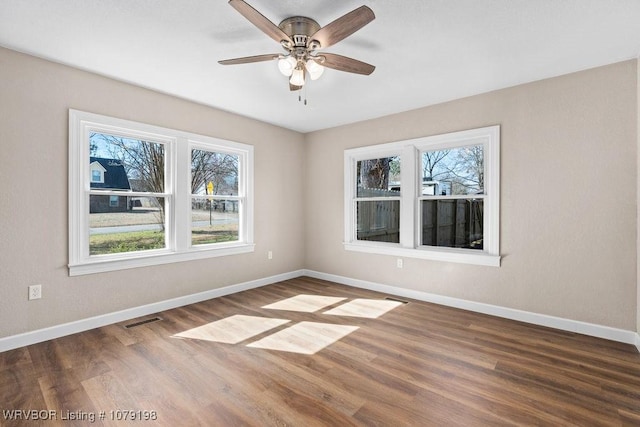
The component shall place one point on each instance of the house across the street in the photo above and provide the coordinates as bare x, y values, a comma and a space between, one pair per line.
108, 174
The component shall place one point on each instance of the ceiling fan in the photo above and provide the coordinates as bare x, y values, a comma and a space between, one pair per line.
301, 38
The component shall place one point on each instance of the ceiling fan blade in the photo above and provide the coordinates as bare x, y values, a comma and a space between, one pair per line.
343, 63
249, 59
343, 27
260, 21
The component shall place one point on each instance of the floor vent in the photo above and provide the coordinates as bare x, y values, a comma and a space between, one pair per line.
142, 322
397, 300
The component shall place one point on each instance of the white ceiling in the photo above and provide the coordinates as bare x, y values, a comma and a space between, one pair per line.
425, 51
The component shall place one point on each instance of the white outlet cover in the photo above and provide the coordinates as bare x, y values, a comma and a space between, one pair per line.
35, 292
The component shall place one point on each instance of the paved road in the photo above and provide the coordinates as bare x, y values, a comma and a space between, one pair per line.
153, 227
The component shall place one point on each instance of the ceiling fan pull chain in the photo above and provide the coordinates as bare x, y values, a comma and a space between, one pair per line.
300, 95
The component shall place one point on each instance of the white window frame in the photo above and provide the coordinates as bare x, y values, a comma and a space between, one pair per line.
241, 198
177, 194
411, 189
370, 155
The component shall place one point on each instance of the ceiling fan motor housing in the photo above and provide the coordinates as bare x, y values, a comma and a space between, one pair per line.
299, 28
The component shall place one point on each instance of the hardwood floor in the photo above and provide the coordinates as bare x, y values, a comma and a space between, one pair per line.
415, 364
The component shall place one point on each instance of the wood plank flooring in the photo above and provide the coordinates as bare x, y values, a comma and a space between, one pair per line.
415, 364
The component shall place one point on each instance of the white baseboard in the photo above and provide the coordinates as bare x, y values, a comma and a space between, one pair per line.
614, 334
33, 337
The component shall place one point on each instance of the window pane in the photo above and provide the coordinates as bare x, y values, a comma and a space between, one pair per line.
378, 177
453, 223
214, 173
136, 224
456, 171
127, 164
379, 221
214, 221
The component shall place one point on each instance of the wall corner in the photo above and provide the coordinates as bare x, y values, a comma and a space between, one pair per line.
638, 202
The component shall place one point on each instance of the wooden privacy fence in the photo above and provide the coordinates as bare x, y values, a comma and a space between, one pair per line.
378, 220
454, 223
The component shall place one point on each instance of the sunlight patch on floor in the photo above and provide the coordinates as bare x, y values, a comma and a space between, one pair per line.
304, 303
369, 308
304, 337
233, 329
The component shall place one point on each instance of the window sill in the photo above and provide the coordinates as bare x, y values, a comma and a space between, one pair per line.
98, 265
462, 256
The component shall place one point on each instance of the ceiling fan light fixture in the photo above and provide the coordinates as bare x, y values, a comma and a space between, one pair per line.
297, 77
286, 65
300, 37
315, 70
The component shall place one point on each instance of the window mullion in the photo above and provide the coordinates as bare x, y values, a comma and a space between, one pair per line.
245, 191
408, 194
169, 200
182, 195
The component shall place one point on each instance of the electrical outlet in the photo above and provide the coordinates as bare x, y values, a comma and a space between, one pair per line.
270, 254
35, 292
399, 263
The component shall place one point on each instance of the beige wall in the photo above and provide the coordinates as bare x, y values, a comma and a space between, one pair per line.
568, 198
35, 96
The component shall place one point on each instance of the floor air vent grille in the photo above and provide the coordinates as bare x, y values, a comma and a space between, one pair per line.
397, 300
142, 322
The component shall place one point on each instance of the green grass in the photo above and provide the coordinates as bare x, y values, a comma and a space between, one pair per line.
204, 236
113, 243
100, 244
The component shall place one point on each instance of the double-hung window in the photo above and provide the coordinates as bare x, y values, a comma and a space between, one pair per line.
215, 176
434, 198
144, 195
